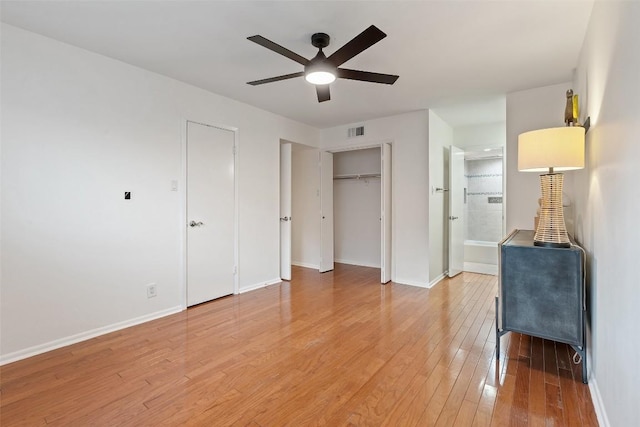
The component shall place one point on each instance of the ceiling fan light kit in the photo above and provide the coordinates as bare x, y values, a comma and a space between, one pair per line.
320, 77
323, 70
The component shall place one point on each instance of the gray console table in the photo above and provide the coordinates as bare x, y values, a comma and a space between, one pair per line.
541, 293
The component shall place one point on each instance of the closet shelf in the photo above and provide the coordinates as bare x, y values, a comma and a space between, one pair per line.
357, 176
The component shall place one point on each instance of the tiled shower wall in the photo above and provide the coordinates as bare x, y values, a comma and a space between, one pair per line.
483, 206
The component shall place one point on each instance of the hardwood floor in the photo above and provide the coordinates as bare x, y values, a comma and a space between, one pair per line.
326, 349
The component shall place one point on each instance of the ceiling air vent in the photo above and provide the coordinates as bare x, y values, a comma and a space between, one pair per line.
357, 131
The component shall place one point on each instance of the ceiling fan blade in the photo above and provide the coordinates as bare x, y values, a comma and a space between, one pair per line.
276, 79
359, 43
323, 93
278, 49
367, 76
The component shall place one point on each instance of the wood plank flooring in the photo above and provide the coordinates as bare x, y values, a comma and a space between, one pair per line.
327, 349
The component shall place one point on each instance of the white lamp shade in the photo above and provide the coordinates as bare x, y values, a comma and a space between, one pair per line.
559, 148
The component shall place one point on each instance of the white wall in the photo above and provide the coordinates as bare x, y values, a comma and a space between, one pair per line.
356, 208
608, 205
483, 135
305, 208
80, 129
366, 160
440, 138
409, 134
530, 110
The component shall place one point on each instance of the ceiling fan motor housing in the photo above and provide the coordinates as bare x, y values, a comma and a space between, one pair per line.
320, 40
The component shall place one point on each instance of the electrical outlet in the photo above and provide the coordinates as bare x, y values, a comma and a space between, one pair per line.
151, 290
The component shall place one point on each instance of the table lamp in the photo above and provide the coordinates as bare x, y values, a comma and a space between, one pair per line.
552, 150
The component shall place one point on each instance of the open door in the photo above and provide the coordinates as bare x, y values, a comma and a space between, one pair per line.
456, 210
285, 211
385, 218
326, 211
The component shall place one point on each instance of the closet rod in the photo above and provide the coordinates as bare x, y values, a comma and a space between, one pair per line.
358, 176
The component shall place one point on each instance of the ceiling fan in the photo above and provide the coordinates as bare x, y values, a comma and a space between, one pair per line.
322, 70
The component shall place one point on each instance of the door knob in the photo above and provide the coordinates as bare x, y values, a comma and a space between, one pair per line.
453, 217
286, 218
196, 224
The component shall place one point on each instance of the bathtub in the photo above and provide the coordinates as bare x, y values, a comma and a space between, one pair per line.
481, 257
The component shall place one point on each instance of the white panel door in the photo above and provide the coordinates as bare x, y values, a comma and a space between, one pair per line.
326, 212
456, 210
210, 213
385, 219
285, 211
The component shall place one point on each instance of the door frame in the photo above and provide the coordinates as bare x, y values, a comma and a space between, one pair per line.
503, 149
375, 144
386, 215
182, 192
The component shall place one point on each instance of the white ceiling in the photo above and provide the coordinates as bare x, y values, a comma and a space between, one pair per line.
447, 53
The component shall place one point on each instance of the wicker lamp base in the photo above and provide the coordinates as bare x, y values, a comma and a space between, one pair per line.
551, 230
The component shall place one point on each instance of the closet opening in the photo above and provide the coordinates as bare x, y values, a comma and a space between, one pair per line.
356, 207
361, 198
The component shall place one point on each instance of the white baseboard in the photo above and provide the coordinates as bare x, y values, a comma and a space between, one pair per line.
83, 336
361, 264
305, 265
598, 404
475, 267
259, 285
411, 283
437, 280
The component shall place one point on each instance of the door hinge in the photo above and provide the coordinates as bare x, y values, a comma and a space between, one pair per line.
235, 269
234, 149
